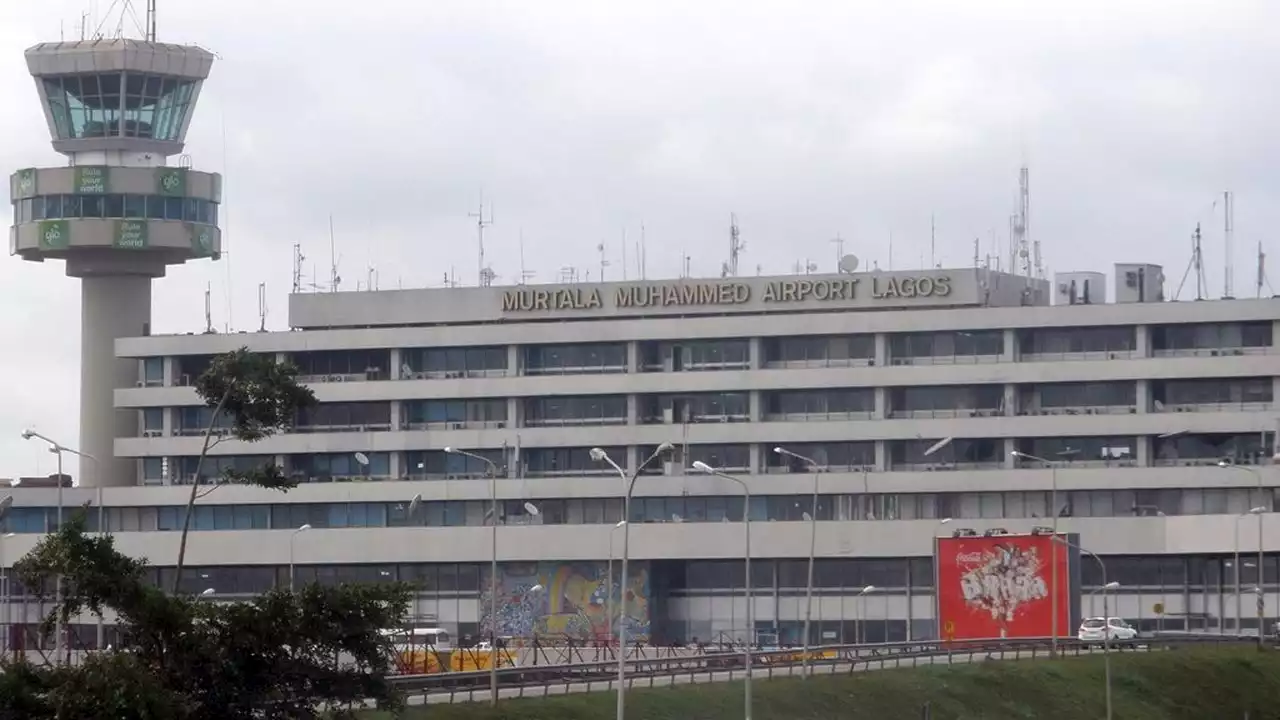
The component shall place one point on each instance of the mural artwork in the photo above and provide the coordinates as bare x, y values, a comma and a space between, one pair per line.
553, 599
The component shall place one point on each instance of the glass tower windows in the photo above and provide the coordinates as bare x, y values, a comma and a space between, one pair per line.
115, 104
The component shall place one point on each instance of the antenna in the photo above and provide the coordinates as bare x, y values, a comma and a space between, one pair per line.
262, 307
525, 275
334, 279
603, 262
208, 308
485, 279
1196, 263
1262, 271
1228, 232
735, 248
890, 250
1024, 196
933, 241
644, 255
297, 267
839, 243
624, 254
977, 252
151, 20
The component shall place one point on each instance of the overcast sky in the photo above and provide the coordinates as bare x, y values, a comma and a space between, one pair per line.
584, 120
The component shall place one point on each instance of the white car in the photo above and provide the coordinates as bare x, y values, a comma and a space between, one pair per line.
1098, 630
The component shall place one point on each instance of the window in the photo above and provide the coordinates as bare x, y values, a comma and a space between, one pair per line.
331, 467
438, 464
575, 410
337, 365
1057, 342
695, 355
695, 408
1035, 399
570, 461
458, 362
1172, 395
152, 422
1191, 338
820, 350
940, 347
1083, 451
152, 371
946, 401
825, 404
585, 358
958, 453
489, 412
348, 416
191, 367
829, 457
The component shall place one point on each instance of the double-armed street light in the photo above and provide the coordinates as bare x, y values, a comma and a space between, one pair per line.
1053, 555
810, 517
1259, 512
628, 485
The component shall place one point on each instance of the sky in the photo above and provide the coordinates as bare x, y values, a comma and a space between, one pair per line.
583, 124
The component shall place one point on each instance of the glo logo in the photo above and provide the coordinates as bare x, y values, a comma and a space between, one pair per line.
54, 234
173, 182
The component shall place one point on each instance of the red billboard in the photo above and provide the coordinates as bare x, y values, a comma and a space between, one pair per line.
999, 586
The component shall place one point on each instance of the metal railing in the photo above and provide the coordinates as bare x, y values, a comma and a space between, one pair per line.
647, 672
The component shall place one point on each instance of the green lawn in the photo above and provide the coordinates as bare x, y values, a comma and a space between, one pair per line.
1200, 684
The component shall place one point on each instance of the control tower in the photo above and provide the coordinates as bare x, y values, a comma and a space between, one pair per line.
119, 212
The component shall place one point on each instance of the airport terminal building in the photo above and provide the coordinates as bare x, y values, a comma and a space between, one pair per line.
911, 392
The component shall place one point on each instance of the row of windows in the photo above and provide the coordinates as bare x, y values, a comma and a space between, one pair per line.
678, 509
118, 104
115, 205
791, 405
688, 577
915, 454
483, 361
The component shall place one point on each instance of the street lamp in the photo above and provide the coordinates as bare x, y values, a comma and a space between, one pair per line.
608, 596
1053, 556
292, 536
628, 485
1236, 559
1261, 573
493, 563
1106, 616
205, 593
57, 449
815, 468
859, 632
751, 617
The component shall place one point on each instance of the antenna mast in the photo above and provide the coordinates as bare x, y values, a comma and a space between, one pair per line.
262, 307
1228, 240
604, 263
839, 243
151, 20
730, 268
297, 267
1024, 194
933, 242
483, 273
208, 308
334, 279
1197, 264
525, 275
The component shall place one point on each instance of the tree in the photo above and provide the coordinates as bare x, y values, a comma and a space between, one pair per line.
305, 654
261, 397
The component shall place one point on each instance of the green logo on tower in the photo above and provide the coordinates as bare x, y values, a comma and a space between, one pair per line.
54, 234
172, 182
202, 242
131, 235
91, 180
26, 182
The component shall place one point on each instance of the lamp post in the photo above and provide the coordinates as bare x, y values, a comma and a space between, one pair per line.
1106, 617
608, 596
5, 503
493, 563
292, 536
1261, 566
57, 449
205, 593
812, 519
1053, 560
1235, 562
751, 617
628, 484
859, 632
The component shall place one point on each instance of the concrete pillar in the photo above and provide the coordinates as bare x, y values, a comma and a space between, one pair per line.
633, 356
1142, 341
515, 418
633, 409
882, 456
111, 307
1011, 399
755, 353
1144, 396
1144, 450
755, 406
513, 360
1010, 462
1010, 351
882, 403
170, 370
882, 349
396, 362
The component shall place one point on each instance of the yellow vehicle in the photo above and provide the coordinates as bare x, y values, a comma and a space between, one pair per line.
422, 651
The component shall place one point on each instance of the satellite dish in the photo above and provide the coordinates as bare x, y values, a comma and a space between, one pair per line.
848, 264
362, 458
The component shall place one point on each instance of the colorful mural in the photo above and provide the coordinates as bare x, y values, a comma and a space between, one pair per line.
550, 599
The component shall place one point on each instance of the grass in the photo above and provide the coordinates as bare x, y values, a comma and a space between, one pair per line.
1200, 684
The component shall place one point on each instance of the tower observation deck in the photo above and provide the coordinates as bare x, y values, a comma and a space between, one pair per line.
118, 213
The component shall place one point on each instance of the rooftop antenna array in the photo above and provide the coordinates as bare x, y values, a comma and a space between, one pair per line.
297, 267
208, 309
730, 268
1024, 254
604, 262
1262, 273
1197, 264
126, 13
525, 275
568, 275
484, 273
848, 264
933, 241
839, 243
334, 278
262, 307
1228, 241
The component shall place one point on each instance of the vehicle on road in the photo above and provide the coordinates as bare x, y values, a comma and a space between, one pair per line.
1099, 630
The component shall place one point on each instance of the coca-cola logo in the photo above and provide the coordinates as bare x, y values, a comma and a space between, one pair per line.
970, 558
